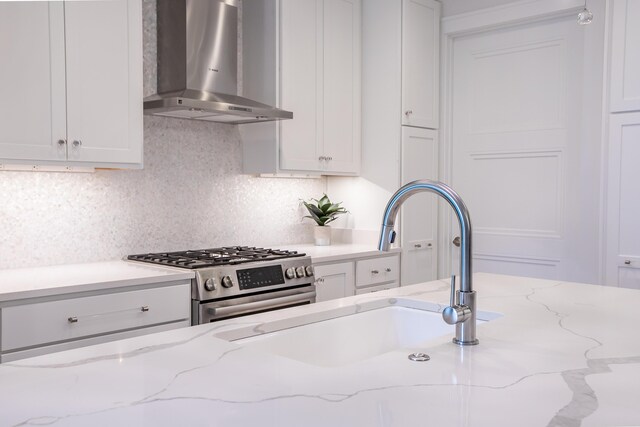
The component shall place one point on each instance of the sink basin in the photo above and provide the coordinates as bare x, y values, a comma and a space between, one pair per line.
357, 336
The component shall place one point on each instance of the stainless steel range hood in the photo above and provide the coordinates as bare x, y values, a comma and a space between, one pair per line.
197, 65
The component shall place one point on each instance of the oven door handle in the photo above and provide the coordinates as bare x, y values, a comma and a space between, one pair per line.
260, 305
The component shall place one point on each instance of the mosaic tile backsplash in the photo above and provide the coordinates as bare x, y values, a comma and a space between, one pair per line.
190, 194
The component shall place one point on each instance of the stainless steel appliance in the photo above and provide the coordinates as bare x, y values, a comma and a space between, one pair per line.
197, 65
239, 280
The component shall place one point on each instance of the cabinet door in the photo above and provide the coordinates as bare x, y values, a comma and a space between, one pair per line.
623, 230
334, 281
419, 215
301, 84
625, 56
32, 79
341, 98
104, 80
420, 62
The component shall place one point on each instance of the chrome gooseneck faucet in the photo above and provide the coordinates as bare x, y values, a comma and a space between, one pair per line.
462, 309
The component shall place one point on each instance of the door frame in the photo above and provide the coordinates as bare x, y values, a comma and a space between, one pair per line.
508, 15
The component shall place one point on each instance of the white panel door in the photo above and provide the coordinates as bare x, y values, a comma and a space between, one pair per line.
32, 81
625, 56
419, 215
334, 281
420, 62
623, 195
301, 84
341, 99
104, 80
516, 152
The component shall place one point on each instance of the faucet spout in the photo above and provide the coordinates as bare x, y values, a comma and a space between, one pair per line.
465, 325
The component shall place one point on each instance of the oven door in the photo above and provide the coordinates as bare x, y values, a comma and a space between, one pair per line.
212, 311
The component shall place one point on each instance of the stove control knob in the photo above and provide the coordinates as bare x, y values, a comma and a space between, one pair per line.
227, 282
210, 284
300, 271
290, 273
309, 270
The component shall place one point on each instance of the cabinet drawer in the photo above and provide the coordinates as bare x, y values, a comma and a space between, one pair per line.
376, 288
64, 320
377, 270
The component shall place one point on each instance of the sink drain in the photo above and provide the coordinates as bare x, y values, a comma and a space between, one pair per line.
419, 357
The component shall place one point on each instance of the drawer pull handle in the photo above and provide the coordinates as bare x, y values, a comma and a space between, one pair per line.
72, 319
388, 270
144, 308
374, 272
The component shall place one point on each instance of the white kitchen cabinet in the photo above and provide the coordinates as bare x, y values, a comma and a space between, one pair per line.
71, 83
419, 214
44, 325
625, 56
310, 54
353, 276
377, 270
334, 281
420, 63
623, 198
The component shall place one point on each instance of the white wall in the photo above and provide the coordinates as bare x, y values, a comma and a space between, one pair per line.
191, 194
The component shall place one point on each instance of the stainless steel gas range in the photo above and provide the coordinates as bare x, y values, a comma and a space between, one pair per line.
239, 280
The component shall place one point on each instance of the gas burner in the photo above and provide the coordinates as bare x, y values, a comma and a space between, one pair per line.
200, 258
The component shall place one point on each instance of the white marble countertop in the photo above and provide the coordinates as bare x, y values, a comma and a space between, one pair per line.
563, 354
339, 251
63, 279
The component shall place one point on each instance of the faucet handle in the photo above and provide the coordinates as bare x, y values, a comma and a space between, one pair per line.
452, 299
455, 313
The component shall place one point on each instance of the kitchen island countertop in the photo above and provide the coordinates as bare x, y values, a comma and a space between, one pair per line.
562, 354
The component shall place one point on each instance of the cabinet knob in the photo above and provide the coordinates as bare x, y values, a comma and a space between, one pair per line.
417, 245
321, 158
627, 262
77, 143
408, 113
375, 272
72, 319
388, 270
62, 142
320, 280
329, 158
144, 308
456, 241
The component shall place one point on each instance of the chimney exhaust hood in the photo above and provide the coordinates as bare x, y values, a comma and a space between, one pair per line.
198, 65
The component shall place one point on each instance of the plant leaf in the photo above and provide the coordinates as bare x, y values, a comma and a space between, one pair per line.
313, 209
324, 203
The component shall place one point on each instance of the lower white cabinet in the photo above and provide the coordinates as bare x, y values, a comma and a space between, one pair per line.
40, 326
419, 214
623, 196
355, 277
334, 281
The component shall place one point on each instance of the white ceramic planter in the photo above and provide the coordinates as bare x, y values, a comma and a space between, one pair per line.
322, 235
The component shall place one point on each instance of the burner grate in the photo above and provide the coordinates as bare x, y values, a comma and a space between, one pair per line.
213, 257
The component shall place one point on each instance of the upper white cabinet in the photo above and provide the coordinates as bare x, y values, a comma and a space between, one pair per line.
420, 62
310, 52
625, 56
71, 83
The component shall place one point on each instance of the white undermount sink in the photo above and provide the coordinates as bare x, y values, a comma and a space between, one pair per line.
401, 323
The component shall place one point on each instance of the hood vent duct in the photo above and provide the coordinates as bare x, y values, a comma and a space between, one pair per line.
198, 65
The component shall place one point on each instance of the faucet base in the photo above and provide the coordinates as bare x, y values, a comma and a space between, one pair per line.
465, 343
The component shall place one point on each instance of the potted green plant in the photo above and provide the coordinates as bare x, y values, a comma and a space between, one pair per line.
323, 212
